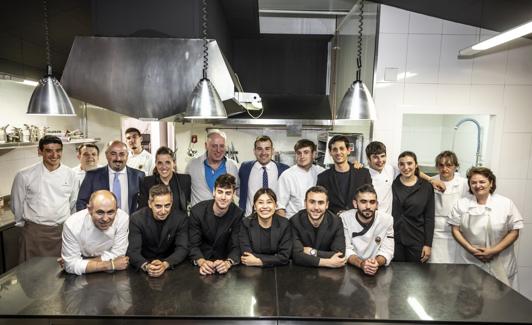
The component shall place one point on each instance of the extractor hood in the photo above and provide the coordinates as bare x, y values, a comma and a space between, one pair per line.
149, 78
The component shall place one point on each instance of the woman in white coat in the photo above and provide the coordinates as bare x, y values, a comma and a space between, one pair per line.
487, 225
444, 248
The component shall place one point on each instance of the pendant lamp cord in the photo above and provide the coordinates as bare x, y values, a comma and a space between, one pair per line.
205, 42
359, 41
47, 38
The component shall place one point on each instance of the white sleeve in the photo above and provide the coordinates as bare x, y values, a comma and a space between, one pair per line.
349, 249
456, 213
515, 220
120, 241
284, 192
18, 196
74, 193
387, 247
71, 253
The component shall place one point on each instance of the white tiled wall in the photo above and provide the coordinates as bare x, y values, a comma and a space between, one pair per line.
498, 84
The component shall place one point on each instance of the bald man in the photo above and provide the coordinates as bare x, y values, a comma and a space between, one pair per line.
116, 177
95, 239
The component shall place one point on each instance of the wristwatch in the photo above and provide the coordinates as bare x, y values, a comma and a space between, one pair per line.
313, 252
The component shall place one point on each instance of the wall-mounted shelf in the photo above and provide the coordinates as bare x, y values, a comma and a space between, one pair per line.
6, 147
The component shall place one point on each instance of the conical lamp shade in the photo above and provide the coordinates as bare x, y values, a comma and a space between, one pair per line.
357, 104
49, 98
205, 103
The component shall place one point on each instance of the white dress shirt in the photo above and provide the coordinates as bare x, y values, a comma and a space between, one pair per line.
369, 243
255, 182
143, 161
82, 239
122, 176
485, 226
382, 182
293, 184
43, 197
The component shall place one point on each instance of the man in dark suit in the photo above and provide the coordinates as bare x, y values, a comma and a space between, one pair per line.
116, 177
213, 229
260, 173
158, 234
342, 179
317, 233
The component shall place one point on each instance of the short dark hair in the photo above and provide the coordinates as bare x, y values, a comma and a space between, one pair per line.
410, 154
317, 189
267, 191
225, 181
449, 155
131, 130
48, 139
159, 190
303, 143
338, 138
262, 138
375, 148
88, 145
484, 171
366, 188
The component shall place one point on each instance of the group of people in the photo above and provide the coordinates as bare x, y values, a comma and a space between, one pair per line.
348, 214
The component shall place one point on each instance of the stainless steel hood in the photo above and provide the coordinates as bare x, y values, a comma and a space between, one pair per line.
144, 77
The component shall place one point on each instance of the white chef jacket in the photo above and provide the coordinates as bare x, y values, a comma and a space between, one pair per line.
255, 182
368, 242
143, 161
444, 247
382, 182
485, 226
82, 239
43, 197
293, 184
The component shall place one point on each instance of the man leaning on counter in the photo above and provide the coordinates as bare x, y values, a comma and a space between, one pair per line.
42, 198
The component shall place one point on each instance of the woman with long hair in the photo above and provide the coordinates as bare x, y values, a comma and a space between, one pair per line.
413, 212
265, 237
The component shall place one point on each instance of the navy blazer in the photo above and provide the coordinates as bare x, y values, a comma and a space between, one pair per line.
98, 179
243, 175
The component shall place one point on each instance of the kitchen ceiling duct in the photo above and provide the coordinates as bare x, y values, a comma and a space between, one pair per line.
150, 78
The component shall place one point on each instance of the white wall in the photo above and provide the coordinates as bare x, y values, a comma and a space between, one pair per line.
424, 49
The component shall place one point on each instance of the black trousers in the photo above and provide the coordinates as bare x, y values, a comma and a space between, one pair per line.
404, 253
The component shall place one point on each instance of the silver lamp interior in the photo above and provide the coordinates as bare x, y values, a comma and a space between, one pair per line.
205, 102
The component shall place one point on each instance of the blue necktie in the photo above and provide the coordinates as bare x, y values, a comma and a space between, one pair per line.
264, 177
117, 190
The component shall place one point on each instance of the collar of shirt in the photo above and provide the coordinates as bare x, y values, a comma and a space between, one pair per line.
268, 166
206, 163
112, 172
476, 209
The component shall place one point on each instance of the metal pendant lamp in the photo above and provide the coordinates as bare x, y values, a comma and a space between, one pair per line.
49, 97
357, 103
205, 102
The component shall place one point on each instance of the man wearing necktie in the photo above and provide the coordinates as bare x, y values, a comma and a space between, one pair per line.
260, 173
116, 177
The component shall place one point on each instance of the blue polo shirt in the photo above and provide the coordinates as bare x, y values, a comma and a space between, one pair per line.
211, 174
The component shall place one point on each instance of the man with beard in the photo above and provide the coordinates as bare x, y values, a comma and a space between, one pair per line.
158, 234
123, 181
342, 179
262, 172
138, 158
368, 232
317, 233
213, 229
95, 239
88, 156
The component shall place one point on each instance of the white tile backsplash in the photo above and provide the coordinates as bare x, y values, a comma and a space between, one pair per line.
515, 155
517, 95
453, 70
490, 68
422, 24
514, 189
520, 64
423, 55
517, 119
525, 281
393, 20
450, 27
420, 94
487, 95
457, 95
392, 54
525, 242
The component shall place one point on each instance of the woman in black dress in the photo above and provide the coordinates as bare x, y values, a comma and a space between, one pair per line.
265, 237
413, 212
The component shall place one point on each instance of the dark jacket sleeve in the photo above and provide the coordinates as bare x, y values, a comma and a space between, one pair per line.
234, 253
429, 215
85, 192
244, 239
298, 254
194, 234
144, 192
181, 244
284, 249
134, 249
338, 243
186, 186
